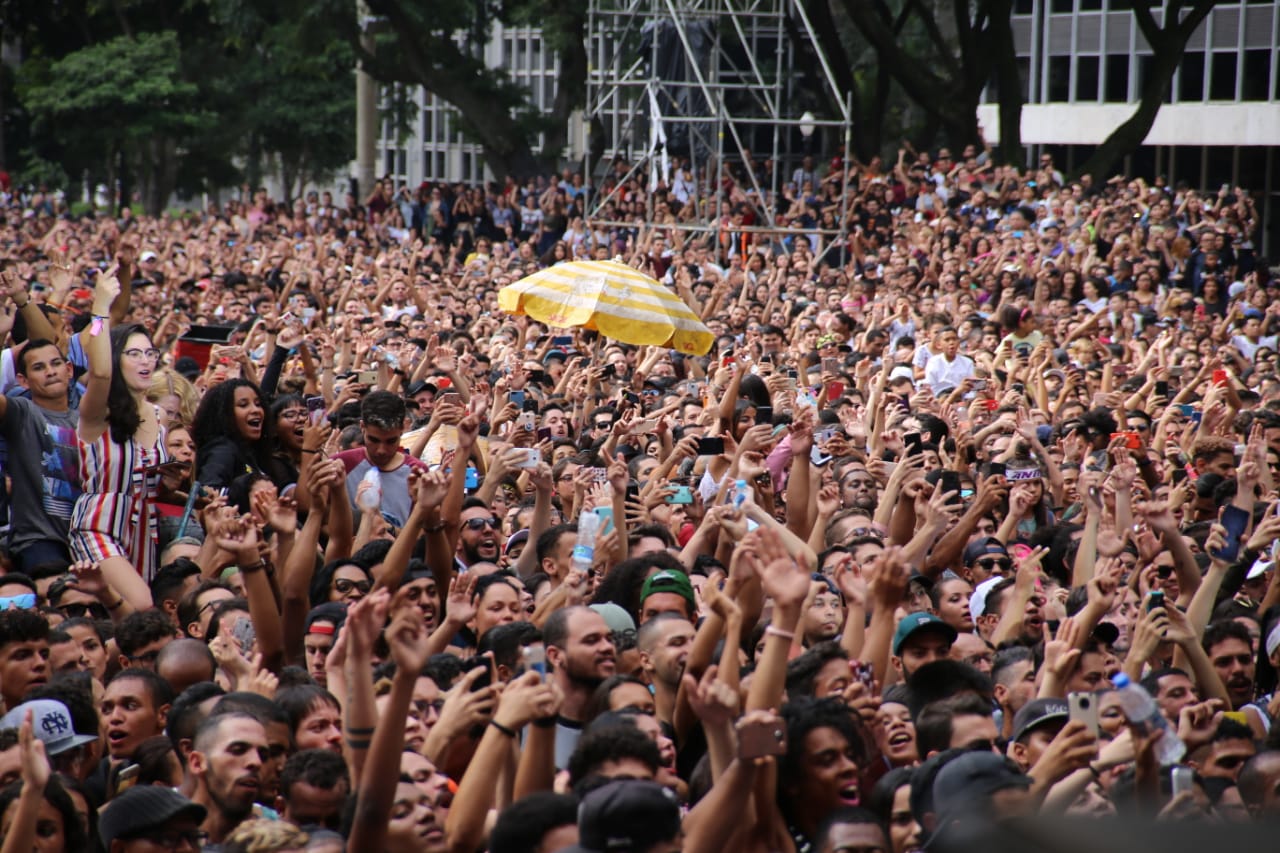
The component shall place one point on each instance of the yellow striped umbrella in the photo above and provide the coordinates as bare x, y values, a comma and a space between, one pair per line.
616, 300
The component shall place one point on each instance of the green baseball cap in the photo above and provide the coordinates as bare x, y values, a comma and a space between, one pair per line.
669, 581
914, 623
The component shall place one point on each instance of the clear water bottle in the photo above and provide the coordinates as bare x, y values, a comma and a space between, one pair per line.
584, 552
370, 498
741, 491
1142, 711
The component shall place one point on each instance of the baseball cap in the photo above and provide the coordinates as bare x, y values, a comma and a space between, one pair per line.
1273, 640
142, 808
188, 367
979, 547
902, 372
978, 599
669, 581
914, 623
971, 777
1259, 568
147, 256
554, 354
50, 722
615, 616
1036, 713
629, 814
1253, 313
515, 539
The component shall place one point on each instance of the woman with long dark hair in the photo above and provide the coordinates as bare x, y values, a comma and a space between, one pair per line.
232, 434
122, 446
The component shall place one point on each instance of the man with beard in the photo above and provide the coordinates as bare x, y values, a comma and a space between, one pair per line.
858, 489
1230, 650
226, 768
920, 638
478, 531
664, 642
580, 652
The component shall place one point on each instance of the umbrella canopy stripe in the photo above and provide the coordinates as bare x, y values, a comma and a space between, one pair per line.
612, 298
639, 305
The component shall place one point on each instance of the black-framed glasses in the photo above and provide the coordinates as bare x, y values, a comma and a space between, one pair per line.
344, 585
481, 523
293, 414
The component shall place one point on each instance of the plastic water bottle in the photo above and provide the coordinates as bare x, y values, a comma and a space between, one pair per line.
1141, 710
584, 552
741, 491
370, 498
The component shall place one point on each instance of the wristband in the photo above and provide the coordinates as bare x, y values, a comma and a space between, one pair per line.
435, 528
545, 722
304, 450
95, 327
778, 632
500, 727
254, 567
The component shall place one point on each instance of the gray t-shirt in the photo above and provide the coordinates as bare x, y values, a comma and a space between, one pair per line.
396, 503
43, 461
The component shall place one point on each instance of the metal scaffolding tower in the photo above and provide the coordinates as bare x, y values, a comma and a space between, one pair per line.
703, 82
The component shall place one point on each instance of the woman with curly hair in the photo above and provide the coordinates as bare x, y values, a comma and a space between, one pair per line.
175, 395
122, 446
232, 434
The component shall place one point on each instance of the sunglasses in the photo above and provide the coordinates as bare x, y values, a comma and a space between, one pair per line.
81, 609
344, 586
482, 523
26, 601
1004, 564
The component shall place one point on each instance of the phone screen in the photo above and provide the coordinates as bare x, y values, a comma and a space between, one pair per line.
1236, 521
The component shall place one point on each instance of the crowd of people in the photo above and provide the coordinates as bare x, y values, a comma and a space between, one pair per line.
969, 515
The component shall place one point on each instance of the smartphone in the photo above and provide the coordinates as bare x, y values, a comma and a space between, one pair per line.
710, 446
516, 397
527, 421
1219, 377
599, 475
534, 658
606, 515
632, 397
682, 495
472, 480
764, 415
644, 427
1084, 707
127, 778
762, 739
1236, 521
562, 341
1131, 439
864, 673
537, 377
532, 458
914, 444
1183, 779
544, 433
1162, 389
1155, 599
950, 482
817, 457
979, 385
1179, 475
367, 377
831, 365
244, 634
996, 469
1018, 388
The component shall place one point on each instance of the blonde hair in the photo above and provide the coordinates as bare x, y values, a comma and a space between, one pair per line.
169, 382
260, 835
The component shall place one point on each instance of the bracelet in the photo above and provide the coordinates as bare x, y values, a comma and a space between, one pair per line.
545, 722
778, 632
500, 727
119, 603
1094, 771
23, 305
304, 450
435, 528
254, 567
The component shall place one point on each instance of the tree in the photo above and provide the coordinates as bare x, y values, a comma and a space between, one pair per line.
946, 77
439, 45
1168, 44
122, 106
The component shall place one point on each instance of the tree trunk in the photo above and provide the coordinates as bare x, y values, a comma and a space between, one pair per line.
1106, 158
1005, 61
571, 88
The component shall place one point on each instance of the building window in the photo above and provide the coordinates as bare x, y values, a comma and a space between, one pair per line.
1191, 77
1257, 74
1222, 77
1087, 68
1059, 88
1117, 78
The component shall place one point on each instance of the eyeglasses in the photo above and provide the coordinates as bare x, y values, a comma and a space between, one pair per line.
482, 523
172, 839
293, 414
1003, 564
1163, 572
145, 657
343, 586
603, 425
143, 354
79, 609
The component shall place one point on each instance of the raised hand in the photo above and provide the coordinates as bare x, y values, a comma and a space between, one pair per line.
713, 701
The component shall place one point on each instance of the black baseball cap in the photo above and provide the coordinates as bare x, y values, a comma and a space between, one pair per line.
143, 808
